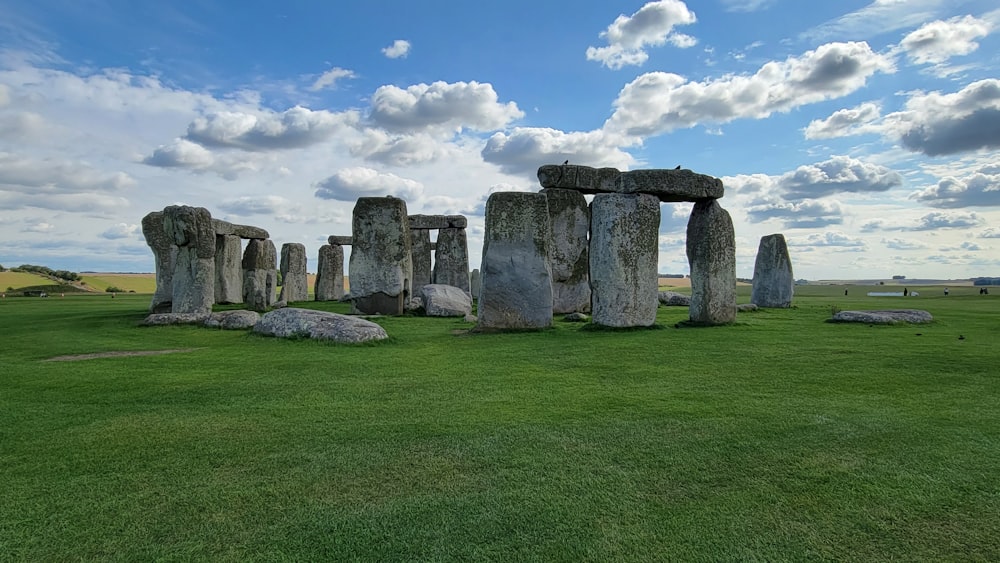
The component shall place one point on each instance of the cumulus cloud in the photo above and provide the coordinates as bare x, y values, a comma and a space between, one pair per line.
843, 122
940, 220
903, 244
329, 78
48, 175
377, 145
981, 188
939, 124
938, 41
39, 227
181, 153
991, 232
808, 214
349, 184
293, 128
828, 238
399, 49
837, 175
653, 25
121, 231
73, 202
523, 150
255, 205
659, 102
447, 107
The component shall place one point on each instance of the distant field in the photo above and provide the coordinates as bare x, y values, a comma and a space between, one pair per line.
21, 279
139, 283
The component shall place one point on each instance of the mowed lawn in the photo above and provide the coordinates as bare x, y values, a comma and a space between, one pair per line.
780, 438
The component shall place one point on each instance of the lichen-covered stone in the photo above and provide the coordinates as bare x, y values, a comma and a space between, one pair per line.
773, 281
329, 273
381, 265
890, 316
666, 185
516, 290
164, 319
674, 299
294, 280
242, 231
585, 179
711, 251
233, 320
190, 228
451, 259
228, 269
164, 256
445, 301
438, 222
260, 275
292, 322
339, 240
569, 256
420, 252
623, 259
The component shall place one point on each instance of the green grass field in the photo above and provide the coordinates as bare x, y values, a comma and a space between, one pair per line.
14, 280
780, 438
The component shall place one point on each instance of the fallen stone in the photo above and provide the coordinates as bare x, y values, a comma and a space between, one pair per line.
445, 301
665, 185
233, 320
163, 319
674, 299
576, 318
243, 231
292, 322
470, 318
890, 316
746, 308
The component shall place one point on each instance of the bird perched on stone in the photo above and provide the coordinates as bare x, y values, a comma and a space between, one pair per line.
678, 167
565, 162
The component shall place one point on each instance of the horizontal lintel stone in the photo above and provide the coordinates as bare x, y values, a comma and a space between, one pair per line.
667, 185
340, 240
438, 221
243, 231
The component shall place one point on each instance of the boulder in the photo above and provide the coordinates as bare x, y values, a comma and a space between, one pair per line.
228, 269
232, 320
516, 290
569, 256
445, 301
773, 281
329, 273
451, 259
576, 318
292, 322
381, 266
190, 229
624, 252
260, 277
711, 251
164, 256
890, 316
294, 279
674, 299
746, 308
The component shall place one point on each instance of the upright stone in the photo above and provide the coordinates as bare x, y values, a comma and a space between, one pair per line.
228, 269
164, 256
294, 280
711, 250
193, 282
623, 259
475, 282
330, 273
420, 252
516, 288
773, 281
260, 277
451, 259
381, 266
569, 225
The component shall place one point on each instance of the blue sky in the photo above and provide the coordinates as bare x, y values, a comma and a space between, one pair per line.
868, 132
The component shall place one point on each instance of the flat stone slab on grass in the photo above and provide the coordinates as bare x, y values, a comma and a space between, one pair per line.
233, 320
292, 322
674, 299
163, 319
445, 301
893, 316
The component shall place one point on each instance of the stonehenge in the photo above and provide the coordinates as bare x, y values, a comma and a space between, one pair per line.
260, 276
711, 251
569, 227
294, 283
164, 256
773, 281
329, 284
193, 284
381, 264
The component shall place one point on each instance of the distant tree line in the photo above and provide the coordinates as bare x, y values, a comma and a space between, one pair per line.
986, 281
45, 271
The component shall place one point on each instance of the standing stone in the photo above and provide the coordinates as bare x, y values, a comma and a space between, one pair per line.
711, 250
164, 256
773, 282
569, 225
420, 251
381, 266
260, 276
516, 288
476, 283
194, 269
451, 259
294, 280
228, 269
330, 273
623, 259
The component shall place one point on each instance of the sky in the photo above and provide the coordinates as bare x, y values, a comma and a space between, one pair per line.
867, 132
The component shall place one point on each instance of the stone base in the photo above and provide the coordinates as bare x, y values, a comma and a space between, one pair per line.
378, 304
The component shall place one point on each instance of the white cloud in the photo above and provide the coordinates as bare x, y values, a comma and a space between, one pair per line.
903, 244
653, 25
806, 214
121, 231
441, 106
181, 153
378, 145
349, 184
938, 41
828, 238
843, 122
747, 5
256, 205
837, 175
524, 149
40, 227
881, 16
981, 188
992, 232
399, 48
53, 176
940, 220
293, 128
329, 78
660, 102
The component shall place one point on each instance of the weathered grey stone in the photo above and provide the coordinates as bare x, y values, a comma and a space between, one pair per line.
233, 320
445, 301
773, 281
711, 251
470, 318
623, 259
381, 267
516, 288
164, 256
340, 240
191, 230
891, 316
260, 276
228, 269
674, 299
294, 280
746, 308
451, 259
438, 222
666, 185
416, 303
420, 253
329, 273
242, 231
475, 282
576, 318
569, 257
292, 322
164, 319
